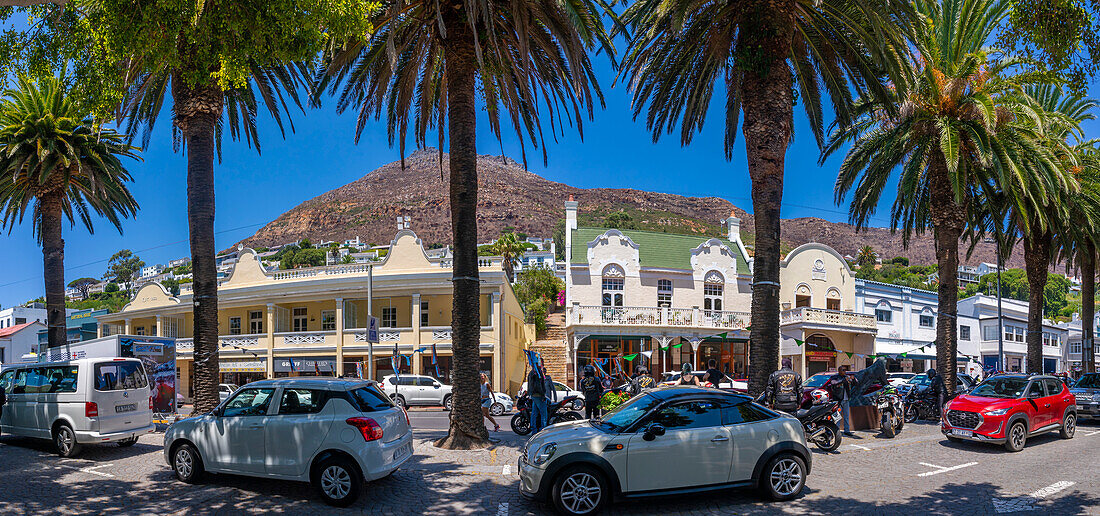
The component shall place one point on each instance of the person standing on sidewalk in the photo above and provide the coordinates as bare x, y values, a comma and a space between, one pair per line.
784, 389
536, 389
592, 388
841, 390
487, 401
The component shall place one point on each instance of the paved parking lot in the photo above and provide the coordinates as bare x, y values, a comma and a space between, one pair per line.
916, 472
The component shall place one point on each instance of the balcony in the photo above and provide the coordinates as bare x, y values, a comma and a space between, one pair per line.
640, 316
820, 317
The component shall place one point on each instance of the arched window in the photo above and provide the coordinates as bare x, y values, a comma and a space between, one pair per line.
664, 293
832, 299
802, 296
927, 318
819, 342
613, 285
884, 313
713, 285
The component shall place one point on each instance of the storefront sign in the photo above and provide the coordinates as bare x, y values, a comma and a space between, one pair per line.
304, 365
608, 347
244, 366
820, 356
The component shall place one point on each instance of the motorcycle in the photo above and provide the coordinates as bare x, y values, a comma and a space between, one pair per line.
892, 411
558, 413
920, 403
820, 424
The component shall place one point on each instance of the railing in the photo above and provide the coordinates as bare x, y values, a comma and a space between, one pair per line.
390, 335
828, 317
332, 270
304, 338
651, 316
240, 341
185, 344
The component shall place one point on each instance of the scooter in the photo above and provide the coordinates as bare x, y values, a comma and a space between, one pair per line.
521, 422
820, 424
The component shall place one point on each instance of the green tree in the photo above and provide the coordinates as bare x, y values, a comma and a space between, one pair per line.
123, 267
111, 288
217, 64
900, 260
950, 134
867, 258
425, 67
173, 286
83, 284
619, 220
510, 249
57, 161
762, 54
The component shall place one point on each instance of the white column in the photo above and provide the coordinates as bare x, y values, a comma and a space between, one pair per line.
160, 326
415, 317
270, 340
339, 336
129, 328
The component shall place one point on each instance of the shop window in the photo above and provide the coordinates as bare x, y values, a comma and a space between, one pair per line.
328, 320
424, 312
389, 317
234, 325
140, 330
255, 322
664, 293
301, 319
712, 296
989, 333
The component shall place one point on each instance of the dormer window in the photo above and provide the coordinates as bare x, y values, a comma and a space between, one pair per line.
664, 293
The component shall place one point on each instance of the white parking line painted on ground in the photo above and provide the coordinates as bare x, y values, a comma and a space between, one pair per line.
507, 470
1027, 502
89, 469
502, 509
941, 469
864, 448
1092, 433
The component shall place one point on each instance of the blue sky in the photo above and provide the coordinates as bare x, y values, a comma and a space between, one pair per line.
320, 155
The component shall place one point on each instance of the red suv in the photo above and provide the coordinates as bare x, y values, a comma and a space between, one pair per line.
1007, 409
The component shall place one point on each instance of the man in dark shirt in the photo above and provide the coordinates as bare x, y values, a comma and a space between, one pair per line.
713, 375
840, 388
784, 389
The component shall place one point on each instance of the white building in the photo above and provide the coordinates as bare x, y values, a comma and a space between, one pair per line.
1014, 326
19, 340
151, 270
17, 315
1072, 351
179, 262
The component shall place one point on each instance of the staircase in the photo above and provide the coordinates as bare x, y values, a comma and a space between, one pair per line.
552, 348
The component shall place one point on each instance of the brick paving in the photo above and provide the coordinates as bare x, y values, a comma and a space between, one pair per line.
868, 475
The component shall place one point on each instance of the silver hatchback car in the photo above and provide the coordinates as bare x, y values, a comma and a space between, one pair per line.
334, 433
668, 440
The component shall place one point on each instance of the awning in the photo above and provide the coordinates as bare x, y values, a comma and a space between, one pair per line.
244, 366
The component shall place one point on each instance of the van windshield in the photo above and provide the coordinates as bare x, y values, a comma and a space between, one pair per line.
118, 376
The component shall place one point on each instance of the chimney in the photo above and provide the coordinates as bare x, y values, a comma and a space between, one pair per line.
733, 228
570, 214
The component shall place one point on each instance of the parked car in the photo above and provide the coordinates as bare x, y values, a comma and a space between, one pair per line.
819, 380
334, 433
739, 385
1087, 392
668, 440
502, 404
225, 390
921, 381
562, 391
85, 401
896, 379
1007, 409
413, 389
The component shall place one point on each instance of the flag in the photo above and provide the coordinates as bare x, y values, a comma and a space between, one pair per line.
292, 368
395, 362
533, 361
435, 362
723, 334
359, 369
648, 354
421, 350
317, 366
678, 345
631, 357
849, 354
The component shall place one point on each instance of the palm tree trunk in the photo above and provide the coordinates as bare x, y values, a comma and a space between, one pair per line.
467, 430
948, 220
1036, 260
53, 266
197, 111
768, 107
1088, 305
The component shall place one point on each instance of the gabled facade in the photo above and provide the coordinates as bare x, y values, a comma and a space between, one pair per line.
1013, 332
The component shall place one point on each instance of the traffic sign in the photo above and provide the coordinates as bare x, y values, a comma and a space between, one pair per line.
372, 329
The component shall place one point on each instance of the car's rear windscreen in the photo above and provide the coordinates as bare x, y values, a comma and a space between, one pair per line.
120, 376
368, 399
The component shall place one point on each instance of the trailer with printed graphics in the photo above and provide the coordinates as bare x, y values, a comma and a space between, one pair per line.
157, 355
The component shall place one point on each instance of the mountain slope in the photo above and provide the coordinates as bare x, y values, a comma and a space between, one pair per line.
511, 196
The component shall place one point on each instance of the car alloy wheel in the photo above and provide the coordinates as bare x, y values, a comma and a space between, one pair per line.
184, 462
336, 482
786, 476
1069, 426
1017, 436
497, 409
65, 440
399, 400
580, 493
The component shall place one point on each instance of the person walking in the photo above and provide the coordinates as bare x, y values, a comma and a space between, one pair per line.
784, 389
536, 389
592, 388
713, 375
551, 392
938, 389
686, 378
840, 388
487, 401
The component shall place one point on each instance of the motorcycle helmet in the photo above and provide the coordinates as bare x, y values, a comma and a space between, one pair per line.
589, 370
819, 396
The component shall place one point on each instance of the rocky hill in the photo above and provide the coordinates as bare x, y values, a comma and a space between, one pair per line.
511, 196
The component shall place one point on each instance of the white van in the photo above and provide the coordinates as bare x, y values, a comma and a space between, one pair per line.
85, 401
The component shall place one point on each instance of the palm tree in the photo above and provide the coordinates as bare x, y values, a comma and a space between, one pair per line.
425, 65
760, 53
952, 141
866, 257
510, 249
54, 157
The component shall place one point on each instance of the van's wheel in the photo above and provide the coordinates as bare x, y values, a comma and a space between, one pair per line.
1017, 436
126, 443
187, 464
64, 439
399, 400
449, 402
783, 477
1069, 426
580, 490
338, 482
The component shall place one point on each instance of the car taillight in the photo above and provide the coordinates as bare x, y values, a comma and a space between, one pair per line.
91, 409
368, 427
407, 422
150, 403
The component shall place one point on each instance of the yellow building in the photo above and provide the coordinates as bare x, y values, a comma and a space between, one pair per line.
312, 321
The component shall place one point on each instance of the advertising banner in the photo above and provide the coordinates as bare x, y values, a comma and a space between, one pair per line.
158, 355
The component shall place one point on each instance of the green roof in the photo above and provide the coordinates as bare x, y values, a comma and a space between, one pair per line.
660, 250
